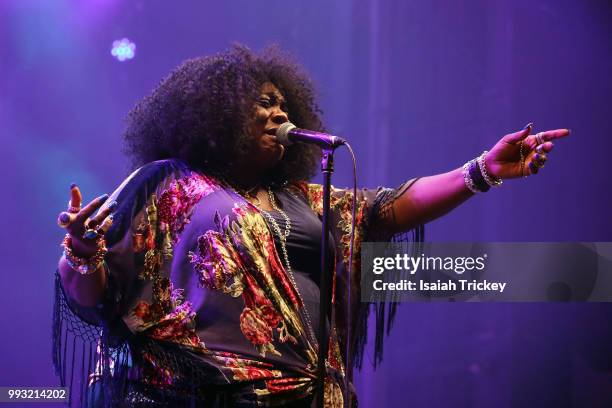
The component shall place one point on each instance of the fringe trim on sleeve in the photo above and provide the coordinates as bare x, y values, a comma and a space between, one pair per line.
92, 365
384, 311
102, 368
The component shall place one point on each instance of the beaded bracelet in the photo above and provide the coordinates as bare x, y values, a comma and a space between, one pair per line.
84, 266
492, 181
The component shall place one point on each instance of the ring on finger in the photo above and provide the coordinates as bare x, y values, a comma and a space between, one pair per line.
539, 164
539, 148
63, 219
539, 138
73, 209
98, 220
105, 226
96, 233
89, 224
540, 158
91, 234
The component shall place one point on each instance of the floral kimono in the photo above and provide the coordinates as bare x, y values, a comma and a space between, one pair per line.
199, 309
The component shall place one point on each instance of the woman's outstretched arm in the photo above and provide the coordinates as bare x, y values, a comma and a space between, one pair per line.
429, 198
515, 155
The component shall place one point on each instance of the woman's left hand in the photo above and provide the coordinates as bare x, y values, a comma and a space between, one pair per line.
505, 159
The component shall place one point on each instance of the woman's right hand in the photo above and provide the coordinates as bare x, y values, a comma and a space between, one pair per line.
85, 230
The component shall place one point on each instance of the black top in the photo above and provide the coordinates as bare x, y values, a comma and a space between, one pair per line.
303, 248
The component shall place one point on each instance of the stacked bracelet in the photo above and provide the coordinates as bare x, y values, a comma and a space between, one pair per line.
475, 175
492, 181
469, 183
84, 266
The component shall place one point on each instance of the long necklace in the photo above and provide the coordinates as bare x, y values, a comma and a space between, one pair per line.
282, 237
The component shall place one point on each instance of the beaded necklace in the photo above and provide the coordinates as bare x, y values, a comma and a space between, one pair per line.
282, 237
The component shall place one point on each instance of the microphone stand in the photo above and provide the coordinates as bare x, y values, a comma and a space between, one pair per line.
327, 167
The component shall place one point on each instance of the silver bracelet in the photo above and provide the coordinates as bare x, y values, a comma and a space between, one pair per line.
492, 181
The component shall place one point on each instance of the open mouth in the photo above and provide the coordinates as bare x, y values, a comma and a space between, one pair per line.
271, 132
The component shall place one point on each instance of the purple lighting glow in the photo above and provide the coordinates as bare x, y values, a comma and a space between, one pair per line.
123, 49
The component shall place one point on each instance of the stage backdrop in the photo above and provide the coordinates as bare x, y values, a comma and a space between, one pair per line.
418, 87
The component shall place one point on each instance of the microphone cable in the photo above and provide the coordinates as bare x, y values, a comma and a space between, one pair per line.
347, 392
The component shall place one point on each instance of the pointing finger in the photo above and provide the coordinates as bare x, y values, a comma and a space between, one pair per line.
555, 134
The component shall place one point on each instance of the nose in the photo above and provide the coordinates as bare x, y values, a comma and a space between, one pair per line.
279, 117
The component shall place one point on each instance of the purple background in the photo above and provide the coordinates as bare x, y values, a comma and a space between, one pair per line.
419, 87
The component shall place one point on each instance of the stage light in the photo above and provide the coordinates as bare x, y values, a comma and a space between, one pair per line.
123, 49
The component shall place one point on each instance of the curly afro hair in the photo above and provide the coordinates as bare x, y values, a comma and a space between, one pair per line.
199, 113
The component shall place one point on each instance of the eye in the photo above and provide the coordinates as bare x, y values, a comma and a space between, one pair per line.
265, 102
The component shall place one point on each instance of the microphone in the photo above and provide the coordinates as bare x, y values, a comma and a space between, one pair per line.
288, 133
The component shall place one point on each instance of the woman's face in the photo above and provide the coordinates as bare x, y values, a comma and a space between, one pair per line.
269, 112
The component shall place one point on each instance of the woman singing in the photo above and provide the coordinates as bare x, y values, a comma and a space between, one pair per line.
196, 282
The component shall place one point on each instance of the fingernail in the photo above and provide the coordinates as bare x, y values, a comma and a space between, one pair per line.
64, 217
113, 205
72, 185
103, 197
533, 168
530, 124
